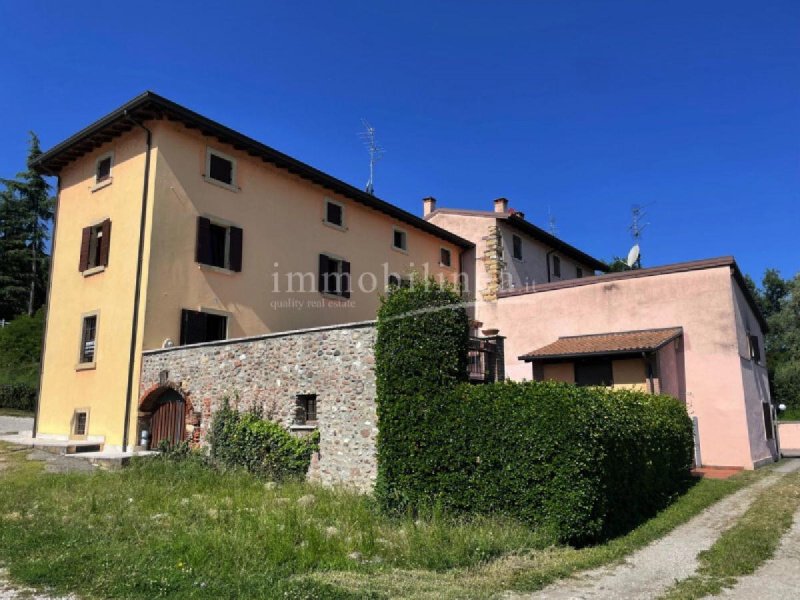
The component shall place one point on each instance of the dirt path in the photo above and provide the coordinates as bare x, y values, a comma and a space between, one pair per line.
12, 593
779, 577
650, 571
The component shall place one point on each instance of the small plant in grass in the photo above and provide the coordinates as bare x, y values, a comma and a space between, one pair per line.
258, 445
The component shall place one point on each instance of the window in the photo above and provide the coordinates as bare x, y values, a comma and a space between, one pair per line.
219, 245
220, 168
80, 423
88, 350
578, 272
198, 327
556, 266
334, 213
516, 247
768, 427
103, 168
594, 372
334, 276
445, 258
305, 409
399, 240
398, 282
95, 244
755, 348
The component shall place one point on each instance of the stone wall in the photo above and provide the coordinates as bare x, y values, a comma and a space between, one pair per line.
335, 363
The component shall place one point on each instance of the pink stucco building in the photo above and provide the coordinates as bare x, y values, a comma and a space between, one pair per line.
691, 330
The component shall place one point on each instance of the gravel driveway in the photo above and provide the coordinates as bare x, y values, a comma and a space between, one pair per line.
649, 572
15, 424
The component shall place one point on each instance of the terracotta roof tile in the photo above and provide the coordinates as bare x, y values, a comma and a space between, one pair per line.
605, 343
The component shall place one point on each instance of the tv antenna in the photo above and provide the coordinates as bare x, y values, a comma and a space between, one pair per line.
636, 228
551, 222
375, 153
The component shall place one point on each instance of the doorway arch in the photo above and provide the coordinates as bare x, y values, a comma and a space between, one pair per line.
167, 422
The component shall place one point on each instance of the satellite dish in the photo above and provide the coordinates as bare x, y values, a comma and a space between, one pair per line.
633, 255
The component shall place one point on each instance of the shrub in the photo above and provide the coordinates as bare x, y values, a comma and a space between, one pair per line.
421, 346
787, 384
20, 396
20, 349
262, 447
584, 463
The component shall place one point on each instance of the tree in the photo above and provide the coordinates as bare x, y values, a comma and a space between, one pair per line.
25, 214
779, 301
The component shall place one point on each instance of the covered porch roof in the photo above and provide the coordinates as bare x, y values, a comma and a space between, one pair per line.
605, 344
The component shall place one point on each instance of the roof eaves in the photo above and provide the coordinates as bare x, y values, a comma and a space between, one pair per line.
247, 144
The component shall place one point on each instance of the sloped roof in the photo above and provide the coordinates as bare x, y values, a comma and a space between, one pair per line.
149, 106
514, 219
621, 342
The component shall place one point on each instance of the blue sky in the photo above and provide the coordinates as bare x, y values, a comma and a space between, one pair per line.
579, 108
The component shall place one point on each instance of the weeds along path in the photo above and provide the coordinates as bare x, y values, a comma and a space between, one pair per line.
778, 578
7, 592
651, 571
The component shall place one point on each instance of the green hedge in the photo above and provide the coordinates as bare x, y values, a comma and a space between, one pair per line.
587, 463
20, 396
260, 446
421, 345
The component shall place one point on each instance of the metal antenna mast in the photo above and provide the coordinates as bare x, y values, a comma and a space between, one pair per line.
636, 228
375, 153
551, 222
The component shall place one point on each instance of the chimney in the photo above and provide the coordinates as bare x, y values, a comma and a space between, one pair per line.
428, 205
501, 205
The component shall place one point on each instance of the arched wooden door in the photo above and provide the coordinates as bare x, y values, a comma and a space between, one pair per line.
168, 421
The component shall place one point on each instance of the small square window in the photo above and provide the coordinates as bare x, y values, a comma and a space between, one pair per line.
103, 169
398, 282
334, 213
400, 240
578, 272
198, 327
219, 245
445, 259
220, 168
556, 266
516, 244
305, 409
88, 349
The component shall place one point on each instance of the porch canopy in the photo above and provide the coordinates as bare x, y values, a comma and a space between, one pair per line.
605, 344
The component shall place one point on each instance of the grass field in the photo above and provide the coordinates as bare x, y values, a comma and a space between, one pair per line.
181, 530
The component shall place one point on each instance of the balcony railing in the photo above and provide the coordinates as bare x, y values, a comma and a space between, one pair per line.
485, 362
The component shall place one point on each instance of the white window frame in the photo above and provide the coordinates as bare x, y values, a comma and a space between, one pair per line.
395, 230
219, 313
99, 185
233, 185
343, 226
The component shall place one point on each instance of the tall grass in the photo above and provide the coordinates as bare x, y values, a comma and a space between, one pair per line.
161, 528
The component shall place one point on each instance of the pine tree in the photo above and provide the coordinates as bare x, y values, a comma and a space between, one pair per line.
26, 210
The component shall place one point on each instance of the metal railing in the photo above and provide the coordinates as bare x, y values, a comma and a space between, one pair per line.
485, 362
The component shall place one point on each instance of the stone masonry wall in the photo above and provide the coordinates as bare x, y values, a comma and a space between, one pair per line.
335, 363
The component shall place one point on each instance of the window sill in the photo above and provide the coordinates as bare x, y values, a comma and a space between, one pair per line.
519, 260
444, 266
305, 427
228, 186
342, 228
400, 250
102, 184
93, 271
212, 268
86, 366
338, 297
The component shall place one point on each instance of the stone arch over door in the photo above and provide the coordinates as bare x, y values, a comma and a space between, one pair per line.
166, 412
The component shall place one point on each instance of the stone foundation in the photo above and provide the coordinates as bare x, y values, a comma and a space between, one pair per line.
335, 363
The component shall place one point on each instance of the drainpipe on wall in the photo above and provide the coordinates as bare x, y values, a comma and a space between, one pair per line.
138, 287
47, 308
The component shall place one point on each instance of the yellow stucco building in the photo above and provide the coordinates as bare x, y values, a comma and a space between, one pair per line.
171, 228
